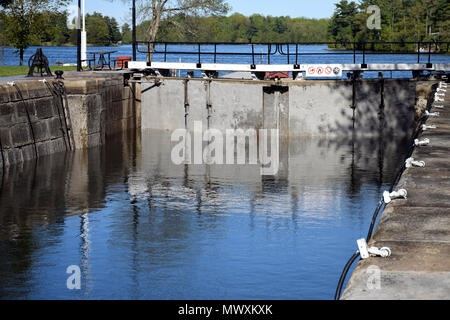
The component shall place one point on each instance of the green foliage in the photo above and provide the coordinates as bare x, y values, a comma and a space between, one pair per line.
24, 21
56, 31
239, 28
401, 21
126, 34
102, 30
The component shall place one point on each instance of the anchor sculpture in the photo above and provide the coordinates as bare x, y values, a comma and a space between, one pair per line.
40, 62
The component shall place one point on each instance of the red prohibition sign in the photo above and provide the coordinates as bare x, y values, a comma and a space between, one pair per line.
328, 70
311, 70
319, 70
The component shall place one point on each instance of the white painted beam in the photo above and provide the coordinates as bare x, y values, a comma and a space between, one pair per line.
142, 65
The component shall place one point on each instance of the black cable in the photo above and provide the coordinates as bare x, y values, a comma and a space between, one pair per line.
374, 219
379, 207
57, 100
337, 295
59, 85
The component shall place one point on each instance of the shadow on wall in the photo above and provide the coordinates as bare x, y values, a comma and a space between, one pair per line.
363, 108
306, 108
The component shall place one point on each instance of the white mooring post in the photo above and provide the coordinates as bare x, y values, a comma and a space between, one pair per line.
84, 38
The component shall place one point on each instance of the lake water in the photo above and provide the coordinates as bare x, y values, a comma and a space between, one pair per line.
140, 227
69, 55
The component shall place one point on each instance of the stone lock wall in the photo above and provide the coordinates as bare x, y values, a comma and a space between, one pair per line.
22, 137
322, 108
32, 124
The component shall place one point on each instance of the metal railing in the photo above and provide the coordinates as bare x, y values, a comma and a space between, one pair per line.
292, 51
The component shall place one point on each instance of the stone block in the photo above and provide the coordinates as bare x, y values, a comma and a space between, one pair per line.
45, 108
95, 114
34, 89
5, 137
12, 156
28, 152
21, 134
51, 146
55, 128
6, 114
20, 111
41, 132
81, 86
116, 92
4, 93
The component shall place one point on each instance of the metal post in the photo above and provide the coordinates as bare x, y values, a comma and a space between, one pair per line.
364, 53
84, 38
79, 37
289, 62
165, 52
133, 31
253, 66
418, 52
429, 52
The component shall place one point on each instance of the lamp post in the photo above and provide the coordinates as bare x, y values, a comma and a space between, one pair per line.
84, 38
133, 32
79, 68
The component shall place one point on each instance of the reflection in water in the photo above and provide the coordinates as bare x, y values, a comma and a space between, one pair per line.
140, 227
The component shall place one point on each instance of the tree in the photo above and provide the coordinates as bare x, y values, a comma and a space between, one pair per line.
56, 30
401, 21
114, 33
97, 28
25, 19
342, 26
159, 9
126, 34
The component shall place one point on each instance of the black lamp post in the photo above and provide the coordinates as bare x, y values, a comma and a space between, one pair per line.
133, 32
79, 37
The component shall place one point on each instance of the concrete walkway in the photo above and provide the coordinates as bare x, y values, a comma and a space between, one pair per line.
417, 229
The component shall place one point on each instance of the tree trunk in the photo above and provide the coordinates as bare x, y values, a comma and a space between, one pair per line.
153, 32
21, 56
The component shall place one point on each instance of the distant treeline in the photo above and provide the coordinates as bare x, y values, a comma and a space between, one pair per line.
105, 31
401, 20
239, 28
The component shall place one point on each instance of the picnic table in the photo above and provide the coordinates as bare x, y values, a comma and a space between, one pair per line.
104, 59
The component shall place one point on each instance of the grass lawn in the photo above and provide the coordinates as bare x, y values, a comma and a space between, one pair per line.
18, 71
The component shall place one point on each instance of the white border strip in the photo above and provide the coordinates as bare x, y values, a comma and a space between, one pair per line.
142, 65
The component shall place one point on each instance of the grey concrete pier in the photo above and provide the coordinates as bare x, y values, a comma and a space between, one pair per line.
416, 229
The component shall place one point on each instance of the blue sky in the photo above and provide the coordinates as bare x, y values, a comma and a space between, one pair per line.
294, 8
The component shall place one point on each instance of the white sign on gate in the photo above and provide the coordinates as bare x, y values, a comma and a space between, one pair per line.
324, 70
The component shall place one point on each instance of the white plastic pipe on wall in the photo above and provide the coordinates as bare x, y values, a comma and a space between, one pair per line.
411, 162
400, 194
420, 143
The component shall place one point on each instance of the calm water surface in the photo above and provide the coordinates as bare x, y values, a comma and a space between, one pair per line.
140, 227
69, 55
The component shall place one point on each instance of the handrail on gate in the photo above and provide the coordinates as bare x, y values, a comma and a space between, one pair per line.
284, 49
